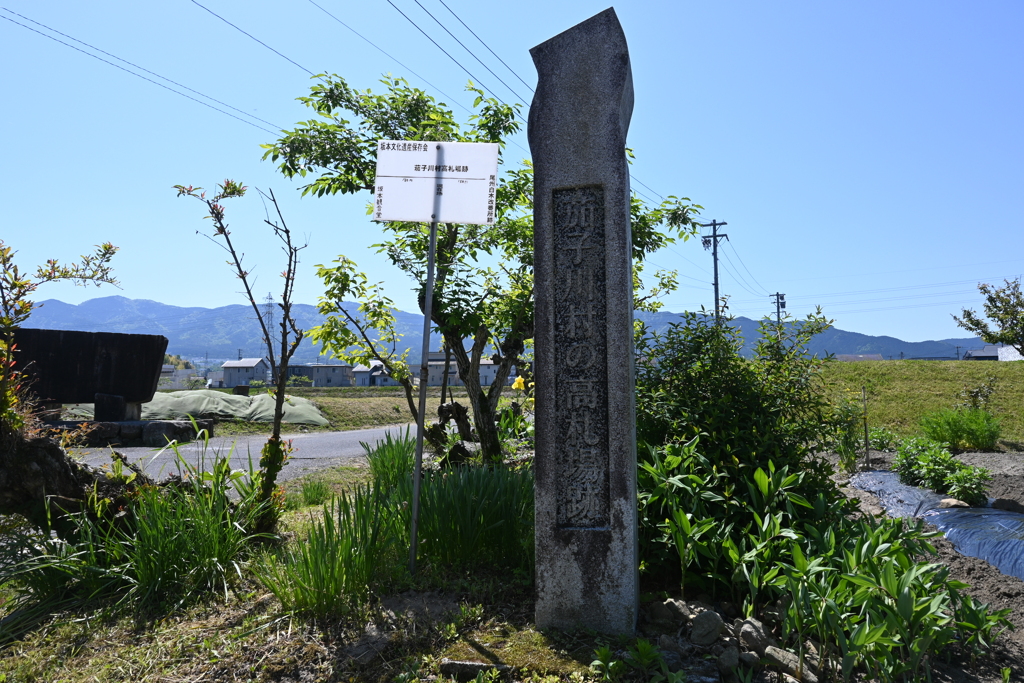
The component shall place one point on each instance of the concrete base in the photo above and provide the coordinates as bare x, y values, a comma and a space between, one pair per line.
155, 433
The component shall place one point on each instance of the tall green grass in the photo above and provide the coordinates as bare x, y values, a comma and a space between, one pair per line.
469, 517
963, 429
352, 549
165, 547
391, 460
475, 516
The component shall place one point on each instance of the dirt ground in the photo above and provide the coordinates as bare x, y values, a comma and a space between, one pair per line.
987, 583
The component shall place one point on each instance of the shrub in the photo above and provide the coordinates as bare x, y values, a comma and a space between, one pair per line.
767, 413
969, 484
882, 439
963, 428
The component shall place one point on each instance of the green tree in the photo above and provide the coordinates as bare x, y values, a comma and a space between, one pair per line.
483, 292
1004, 306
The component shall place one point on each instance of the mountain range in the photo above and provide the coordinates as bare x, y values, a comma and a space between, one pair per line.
230, 332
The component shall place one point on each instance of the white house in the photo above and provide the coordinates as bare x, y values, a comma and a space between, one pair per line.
435, 365
324, 374
243, 371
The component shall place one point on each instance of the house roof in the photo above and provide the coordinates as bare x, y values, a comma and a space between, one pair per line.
244, 363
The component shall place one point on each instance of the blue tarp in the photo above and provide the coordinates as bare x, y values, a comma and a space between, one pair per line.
996, 536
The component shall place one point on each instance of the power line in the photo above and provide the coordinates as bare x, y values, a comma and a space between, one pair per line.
389, 56
468, 50
754, 279
141, 68
487, 46
254, 38
137, 75
420, 29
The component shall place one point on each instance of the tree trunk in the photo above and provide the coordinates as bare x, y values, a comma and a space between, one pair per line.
40, 482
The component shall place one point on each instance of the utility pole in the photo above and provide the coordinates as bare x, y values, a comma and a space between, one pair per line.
711, 242
958, 352
780, 305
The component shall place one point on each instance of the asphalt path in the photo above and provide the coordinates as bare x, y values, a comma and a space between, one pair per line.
313, 451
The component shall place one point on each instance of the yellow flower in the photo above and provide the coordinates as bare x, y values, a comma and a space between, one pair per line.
518, 384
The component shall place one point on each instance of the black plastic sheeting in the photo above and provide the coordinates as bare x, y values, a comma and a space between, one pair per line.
996, 536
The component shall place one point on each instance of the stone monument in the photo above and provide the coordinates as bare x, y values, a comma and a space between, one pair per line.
585, 467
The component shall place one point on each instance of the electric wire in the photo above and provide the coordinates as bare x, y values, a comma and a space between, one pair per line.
138, 75
753, 279
253, 37
468, 50
388, 55
487, 46
141, 68
731, 269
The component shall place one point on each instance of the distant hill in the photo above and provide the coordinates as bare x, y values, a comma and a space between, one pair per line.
836, 341
223, 333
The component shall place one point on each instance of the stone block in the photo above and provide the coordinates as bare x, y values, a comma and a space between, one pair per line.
585, 463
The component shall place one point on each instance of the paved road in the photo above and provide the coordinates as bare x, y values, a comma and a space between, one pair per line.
313, 451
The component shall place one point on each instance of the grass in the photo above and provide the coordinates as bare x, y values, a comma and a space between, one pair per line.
900, 393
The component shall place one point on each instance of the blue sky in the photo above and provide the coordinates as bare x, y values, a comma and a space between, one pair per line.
868, 157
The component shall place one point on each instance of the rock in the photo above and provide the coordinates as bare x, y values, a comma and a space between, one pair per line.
669, 644
952, 503
749, 659
790, 664
705, 628
659, 613
679, 610
467, 671
672, 660
1007, 504
130, 431
753, 637
729, 659
729, 610
159, 433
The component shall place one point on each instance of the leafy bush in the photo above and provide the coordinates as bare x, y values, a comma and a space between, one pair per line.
300, 381
882, 439
767, 413
922, 462
977, 396
969, 484
963, 429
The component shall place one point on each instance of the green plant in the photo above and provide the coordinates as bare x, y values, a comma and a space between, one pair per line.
606, 666
848, 420
1004, 306
969, 484
644, 657
257, 384
300, 381
976, 396
963, 429
391, 460
474, 516
166, 546
353, 548
882, 439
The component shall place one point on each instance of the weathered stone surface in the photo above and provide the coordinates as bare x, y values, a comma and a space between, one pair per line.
953, 503
790, 664
130, 431
749, 659
680, 611
467, 671
72, 367
585, 462
729, 659
160, 433
752, 636
705, 628
669, 644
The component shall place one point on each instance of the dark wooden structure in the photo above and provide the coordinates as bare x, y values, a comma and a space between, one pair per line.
117, 372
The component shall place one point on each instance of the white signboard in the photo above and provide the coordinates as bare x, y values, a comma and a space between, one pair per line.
447, 182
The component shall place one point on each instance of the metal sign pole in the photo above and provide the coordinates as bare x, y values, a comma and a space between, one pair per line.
428, 300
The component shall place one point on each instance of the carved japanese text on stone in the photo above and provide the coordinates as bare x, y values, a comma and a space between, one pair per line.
581, 350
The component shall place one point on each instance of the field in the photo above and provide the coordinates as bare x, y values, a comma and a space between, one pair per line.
901, 392
349, 408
